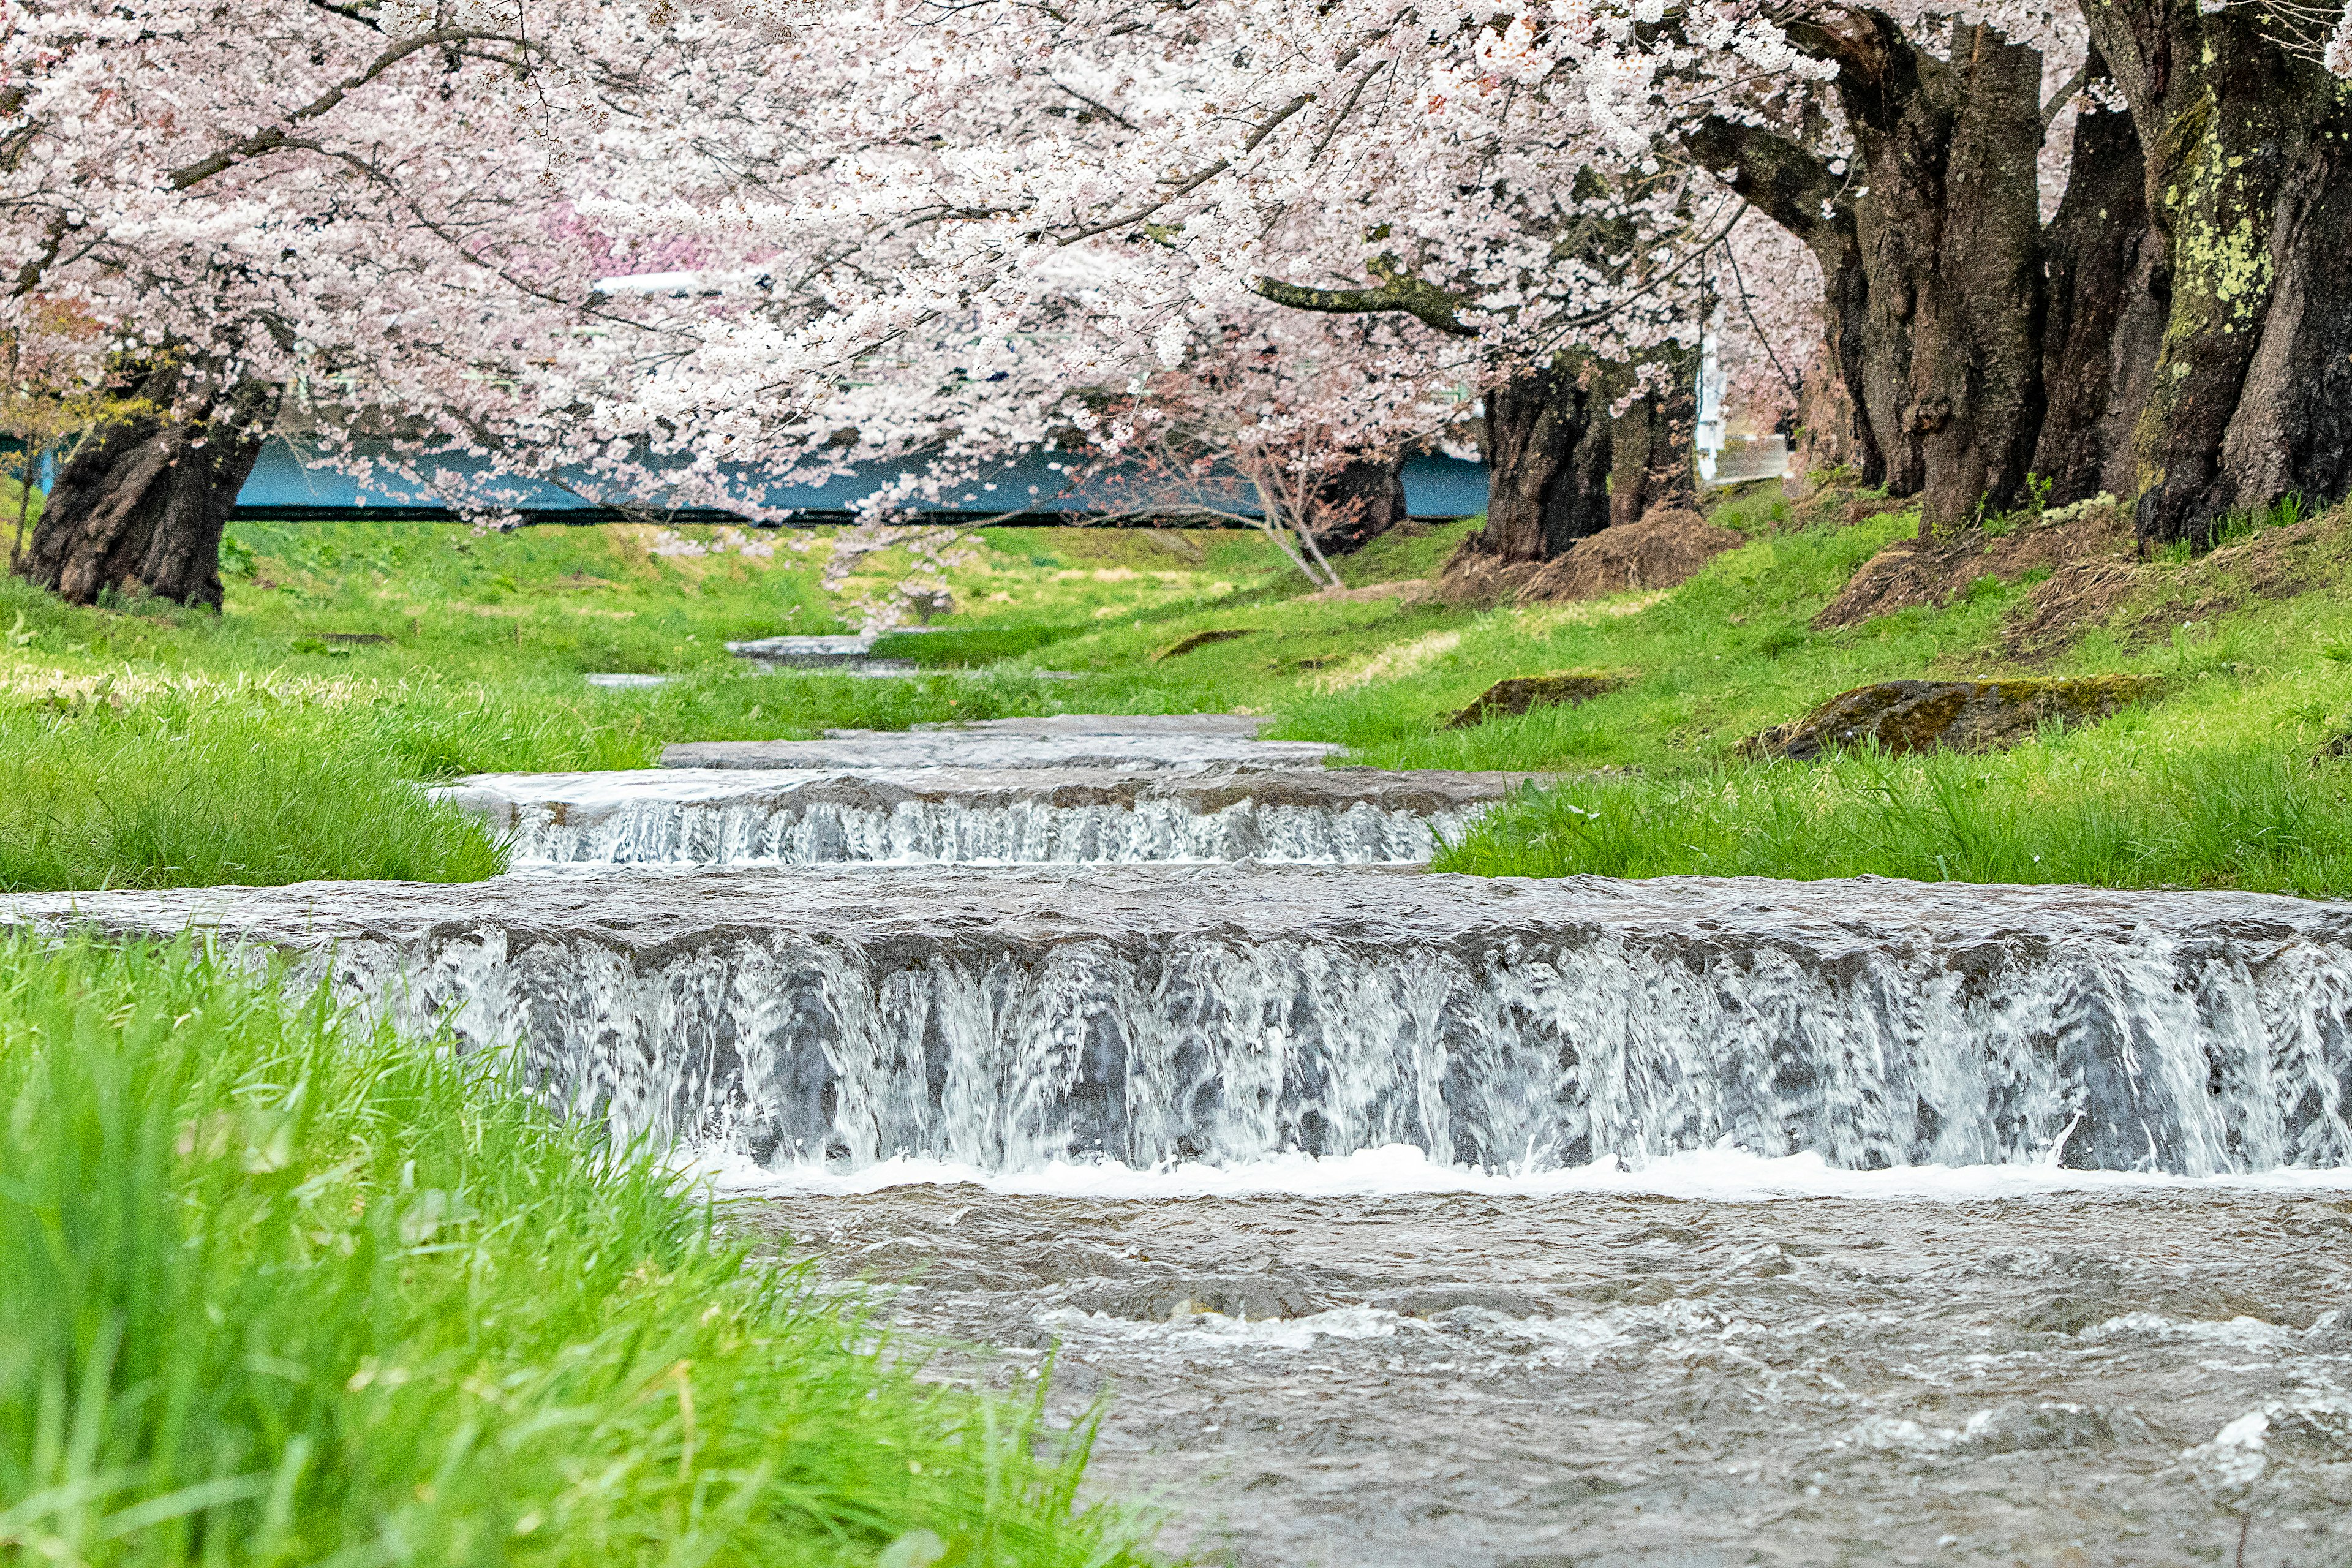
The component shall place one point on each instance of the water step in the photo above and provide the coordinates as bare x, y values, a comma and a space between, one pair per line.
805, 652
717, 816
1140, 1014
1070, 741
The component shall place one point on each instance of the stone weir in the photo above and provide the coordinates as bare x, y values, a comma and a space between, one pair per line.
1067, 741
977, 815
1144, 1014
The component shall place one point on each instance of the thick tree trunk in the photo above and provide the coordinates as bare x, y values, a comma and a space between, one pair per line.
1548, 462
2110, 288
1952, 242
1935, 316
2250, 179
1652, 445
1360, 503
140, 509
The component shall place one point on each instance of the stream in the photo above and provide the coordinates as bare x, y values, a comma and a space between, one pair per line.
1395, 1220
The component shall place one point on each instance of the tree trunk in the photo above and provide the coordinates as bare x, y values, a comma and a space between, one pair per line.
1548, 462
2249, 181
1360, 503
1794, 188
1951, 243
1652, 446
141, 506
1935, 318
2110, 289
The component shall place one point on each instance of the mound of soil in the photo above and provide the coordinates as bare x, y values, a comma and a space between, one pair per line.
1665, 548
1516, 696
1475, 580
2277, 563
1951, 715
1933, 572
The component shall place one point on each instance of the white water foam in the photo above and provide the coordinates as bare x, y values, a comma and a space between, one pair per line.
1397, 1170
917, 832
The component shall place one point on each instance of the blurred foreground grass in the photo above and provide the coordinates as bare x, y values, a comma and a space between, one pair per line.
281, 1290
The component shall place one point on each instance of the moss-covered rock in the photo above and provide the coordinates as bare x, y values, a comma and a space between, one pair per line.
1185, 644
1899, 716
1560, 689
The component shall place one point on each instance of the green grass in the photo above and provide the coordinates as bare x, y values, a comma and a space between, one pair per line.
249, 788
279, 1291
2049, 812
489, 636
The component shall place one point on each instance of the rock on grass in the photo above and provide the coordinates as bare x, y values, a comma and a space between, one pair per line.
1560, 689
1899, 716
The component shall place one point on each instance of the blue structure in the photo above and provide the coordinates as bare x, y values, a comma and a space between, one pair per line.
282, 486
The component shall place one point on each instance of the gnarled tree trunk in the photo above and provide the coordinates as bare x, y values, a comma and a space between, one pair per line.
1360, 503
2110, 287
1934, 314
1794, 188
1653, 445
1951, 241
2249, 150
141, 506
1549, 447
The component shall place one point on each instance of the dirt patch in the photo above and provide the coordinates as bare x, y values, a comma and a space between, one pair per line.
1560, 689
1932, 572
1900, 716
1401, 588
2142, 600
1665, 549
1474, 580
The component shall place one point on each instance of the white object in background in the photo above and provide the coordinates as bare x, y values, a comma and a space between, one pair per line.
1708, 437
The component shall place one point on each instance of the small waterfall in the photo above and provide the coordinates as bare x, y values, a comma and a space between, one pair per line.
816, 832
1141, 1015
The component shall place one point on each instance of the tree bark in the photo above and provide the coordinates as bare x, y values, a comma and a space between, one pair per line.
1653, 444
2249, 151
1548, 450
2110, 289
140, 509
1935, 319
1794, 188
1360, 503
1952, 242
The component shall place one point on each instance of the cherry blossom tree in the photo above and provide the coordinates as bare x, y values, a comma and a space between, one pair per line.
359, 213
1292, 423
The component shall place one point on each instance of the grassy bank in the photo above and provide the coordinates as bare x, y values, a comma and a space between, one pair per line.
2247, 817
279, 1293
161, 746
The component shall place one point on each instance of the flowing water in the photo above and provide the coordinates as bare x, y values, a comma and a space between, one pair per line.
1011, 1017
977, 815
2100, 1377
1411, 1220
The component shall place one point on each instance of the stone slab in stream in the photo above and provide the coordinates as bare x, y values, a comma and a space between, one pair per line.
805, 652
1006, 1019
967, 815
1235, 726
1078, 745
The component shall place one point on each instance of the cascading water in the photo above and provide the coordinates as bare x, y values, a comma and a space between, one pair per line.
1141, 1015
1494, 1346
1349, 817
950, 832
